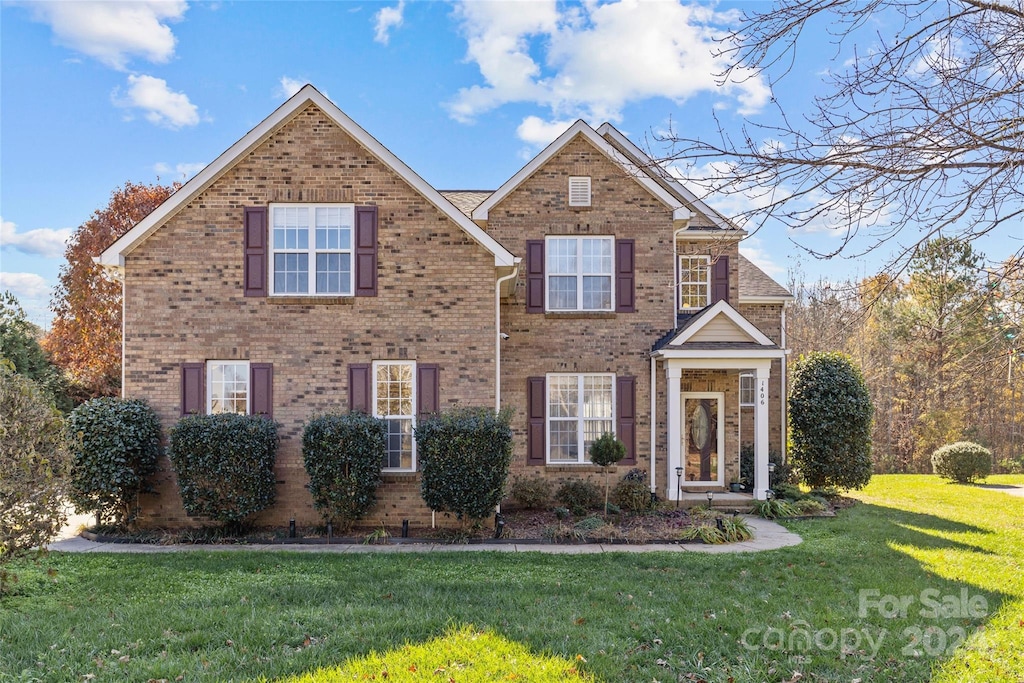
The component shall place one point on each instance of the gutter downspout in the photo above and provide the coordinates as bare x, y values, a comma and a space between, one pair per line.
783, 424
675, 313
497, 332
654, 422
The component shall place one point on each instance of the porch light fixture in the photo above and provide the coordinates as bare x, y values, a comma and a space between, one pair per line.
711, 497
679, 485
769, 494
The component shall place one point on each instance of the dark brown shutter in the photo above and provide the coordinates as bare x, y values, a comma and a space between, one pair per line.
720, 280
534, 276
193, 388
360, 391
261, 384
625, 280
625, 395
366, 251
428, 395
536, 411
255, 237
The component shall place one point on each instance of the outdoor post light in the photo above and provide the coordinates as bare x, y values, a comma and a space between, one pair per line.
771, 471
330, 532
679, 485
291, 528
769, 494
711, 497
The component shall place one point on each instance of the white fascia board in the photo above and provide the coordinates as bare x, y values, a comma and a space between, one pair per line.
721, 308
725, 359
761, 299
114, 254
721, 221
704, 234
582, 128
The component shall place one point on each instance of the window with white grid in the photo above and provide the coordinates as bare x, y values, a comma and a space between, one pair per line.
747, 389
694, 282
394, 400
311, 249
227, 387
579, 273
580, 410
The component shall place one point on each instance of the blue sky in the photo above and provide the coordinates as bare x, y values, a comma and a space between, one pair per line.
95, 94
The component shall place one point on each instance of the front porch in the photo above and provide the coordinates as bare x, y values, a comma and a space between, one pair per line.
721, 500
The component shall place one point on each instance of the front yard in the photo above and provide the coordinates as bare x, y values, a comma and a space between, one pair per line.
924, 580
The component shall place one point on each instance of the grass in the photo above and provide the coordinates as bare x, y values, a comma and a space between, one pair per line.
246, 616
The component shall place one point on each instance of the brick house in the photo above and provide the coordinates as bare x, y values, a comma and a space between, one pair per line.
309, 269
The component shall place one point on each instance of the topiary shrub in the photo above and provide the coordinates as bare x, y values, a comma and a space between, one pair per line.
533, 493
464, 455
633, 491
579, 496
962, 462
225, 465
35, 465
115, 443
830, 422
344, 455
605, 452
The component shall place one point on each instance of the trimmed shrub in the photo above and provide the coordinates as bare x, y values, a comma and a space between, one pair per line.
962, 462
464, 455
830, 422
115, 443
579, 496
35, 465
533, 493
225, 465
605, 452
633, 491
783, 473
344, 455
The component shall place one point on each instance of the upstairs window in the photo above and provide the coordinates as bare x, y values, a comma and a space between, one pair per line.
694, 282
579, 273
311, 249
579, 191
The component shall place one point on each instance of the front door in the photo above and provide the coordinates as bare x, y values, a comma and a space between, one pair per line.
702, 439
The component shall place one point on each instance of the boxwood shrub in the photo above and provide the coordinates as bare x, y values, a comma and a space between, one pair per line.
115, 444
962, 462
225, 465
344, 454
464, 455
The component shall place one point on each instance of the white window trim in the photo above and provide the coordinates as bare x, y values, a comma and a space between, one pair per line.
584, 458
681, 283
753, 390
580, 181
579, 275
209, 383
412, 418
311, 251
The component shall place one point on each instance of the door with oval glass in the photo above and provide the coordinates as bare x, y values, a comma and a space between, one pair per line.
702, 439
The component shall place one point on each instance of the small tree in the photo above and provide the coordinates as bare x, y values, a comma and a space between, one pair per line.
19, 343
605, 452
115, 443
830, 422
344, 455
465, 455
34, 466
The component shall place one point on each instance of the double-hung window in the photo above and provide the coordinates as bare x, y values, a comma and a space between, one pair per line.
311, 249
694, 282
227, 389
579, 273
580, 409
746, 390
394, 401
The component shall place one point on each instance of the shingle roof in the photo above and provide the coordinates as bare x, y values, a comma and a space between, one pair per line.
754, 282
466, 200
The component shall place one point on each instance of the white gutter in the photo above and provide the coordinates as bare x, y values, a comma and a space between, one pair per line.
654, 424
497, 332
783, 426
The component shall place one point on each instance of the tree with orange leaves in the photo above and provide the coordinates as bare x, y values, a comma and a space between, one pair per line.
85, 340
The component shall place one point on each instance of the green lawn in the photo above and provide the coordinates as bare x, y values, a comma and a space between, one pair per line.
952, 555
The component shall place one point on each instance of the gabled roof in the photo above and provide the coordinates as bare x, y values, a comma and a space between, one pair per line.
113, 256
704, 330
466, 200
581, 128
758, 286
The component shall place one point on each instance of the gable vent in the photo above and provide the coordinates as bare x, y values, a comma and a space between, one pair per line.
579, 191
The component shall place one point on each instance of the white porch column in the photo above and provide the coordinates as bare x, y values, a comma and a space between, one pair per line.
761, 483
675, 429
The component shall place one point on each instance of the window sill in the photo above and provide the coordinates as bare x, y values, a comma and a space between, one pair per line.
312, 300
573, 467
569, 315
398, 475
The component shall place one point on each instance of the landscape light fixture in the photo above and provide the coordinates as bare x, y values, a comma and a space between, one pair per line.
679, 485
711, 497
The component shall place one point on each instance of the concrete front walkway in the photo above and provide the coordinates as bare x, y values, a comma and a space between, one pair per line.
767, 536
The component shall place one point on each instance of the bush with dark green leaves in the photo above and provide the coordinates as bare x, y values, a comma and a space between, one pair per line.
464, 455
963, 462
35, 466
533, 493
579, 495
344, 455
783, 473
633, 492
606, 451
225, 465
830, 422
115, 444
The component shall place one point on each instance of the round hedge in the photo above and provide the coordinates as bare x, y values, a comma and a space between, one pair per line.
962, 462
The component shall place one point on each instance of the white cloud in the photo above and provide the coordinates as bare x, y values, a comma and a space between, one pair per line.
387, 18
289, 86
114, 32
753, 249
160, 104
46, 242
182, 171
539, 132
25, 285
591, 61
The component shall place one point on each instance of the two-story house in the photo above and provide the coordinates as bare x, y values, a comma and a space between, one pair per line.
309, 269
